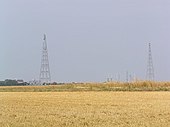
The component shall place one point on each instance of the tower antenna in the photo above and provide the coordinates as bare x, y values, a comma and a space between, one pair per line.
150, 69
45, 76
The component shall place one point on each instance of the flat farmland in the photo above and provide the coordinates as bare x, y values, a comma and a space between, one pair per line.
84, 109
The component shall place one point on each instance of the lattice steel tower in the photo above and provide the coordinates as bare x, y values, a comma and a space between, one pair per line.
150, 69
45, 76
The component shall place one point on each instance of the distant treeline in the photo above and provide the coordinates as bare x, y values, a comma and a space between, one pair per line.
9, 82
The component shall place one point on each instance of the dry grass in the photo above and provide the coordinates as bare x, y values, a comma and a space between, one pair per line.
84, 109
110, 86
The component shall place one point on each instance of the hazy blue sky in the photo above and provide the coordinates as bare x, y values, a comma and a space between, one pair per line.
88, 40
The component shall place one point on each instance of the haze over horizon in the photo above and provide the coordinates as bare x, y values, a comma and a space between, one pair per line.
88, 40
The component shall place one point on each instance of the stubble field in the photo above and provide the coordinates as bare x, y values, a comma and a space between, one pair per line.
84, 109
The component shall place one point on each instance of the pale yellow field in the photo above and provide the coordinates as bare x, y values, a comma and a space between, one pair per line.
84, 109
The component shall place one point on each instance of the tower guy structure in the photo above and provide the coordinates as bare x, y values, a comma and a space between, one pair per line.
150, 69
45, 76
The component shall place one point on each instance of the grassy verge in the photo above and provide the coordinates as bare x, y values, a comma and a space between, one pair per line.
112, 86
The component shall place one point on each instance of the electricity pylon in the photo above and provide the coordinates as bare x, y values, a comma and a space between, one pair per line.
45, 76
150, 69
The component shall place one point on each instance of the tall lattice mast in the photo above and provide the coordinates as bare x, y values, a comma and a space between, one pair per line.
45, 76
150, 69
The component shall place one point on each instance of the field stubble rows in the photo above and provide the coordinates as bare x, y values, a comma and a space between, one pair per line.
84, 109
